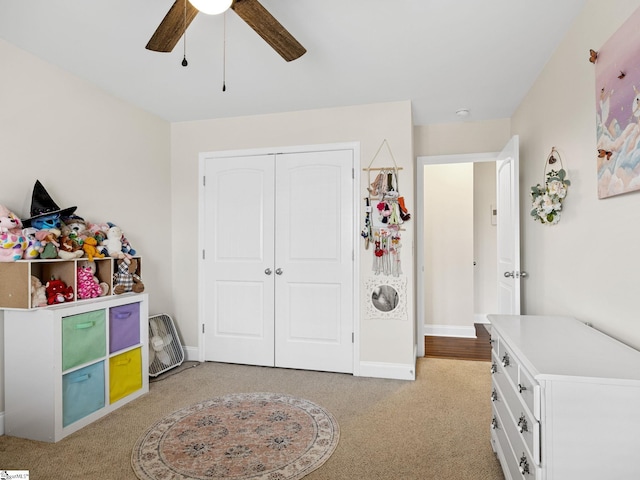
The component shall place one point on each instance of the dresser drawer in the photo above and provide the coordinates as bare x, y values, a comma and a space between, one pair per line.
83, 338
518, 416
125, 374
82, 392
521, 463
508, 362
124, 326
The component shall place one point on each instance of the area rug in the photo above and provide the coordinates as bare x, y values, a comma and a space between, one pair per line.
247, 436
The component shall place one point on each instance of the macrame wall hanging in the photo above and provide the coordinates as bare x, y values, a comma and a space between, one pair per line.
385, 212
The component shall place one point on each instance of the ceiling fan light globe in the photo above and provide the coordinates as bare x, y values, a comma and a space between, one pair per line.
212, 7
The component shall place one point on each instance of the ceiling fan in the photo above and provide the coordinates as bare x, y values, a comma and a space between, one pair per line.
182, 13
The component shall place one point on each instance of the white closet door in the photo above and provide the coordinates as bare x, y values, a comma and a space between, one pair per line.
314, 255
239, 246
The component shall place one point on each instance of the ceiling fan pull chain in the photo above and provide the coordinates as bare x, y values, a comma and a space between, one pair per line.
224, 52
184, 36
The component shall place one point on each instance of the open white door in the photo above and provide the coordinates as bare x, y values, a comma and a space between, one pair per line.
508, 206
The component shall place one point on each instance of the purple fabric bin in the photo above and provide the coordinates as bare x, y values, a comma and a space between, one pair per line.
124, 326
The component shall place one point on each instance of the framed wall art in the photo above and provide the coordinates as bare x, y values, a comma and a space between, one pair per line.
617, 73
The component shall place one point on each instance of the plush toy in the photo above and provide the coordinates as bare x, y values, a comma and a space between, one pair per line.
34, 246
113, 242
38, 293
49, 242
127, 249
47, 222
88, 284
126, 279
58, 292
90, 247
75, 227
12, 242
70, 248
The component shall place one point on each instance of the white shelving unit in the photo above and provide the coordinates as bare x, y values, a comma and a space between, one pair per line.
68, 365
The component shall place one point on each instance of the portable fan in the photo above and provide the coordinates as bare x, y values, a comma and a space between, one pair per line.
165, 351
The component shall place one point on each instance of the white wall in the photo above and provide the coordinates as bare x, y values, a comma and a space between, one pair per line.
484, 240
383, 343
90, 150
587, 265
448, 245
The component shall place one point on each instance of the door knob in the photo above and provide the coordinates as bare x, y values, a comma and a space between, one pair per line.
268, 271
278, 271
508, 274
524, 274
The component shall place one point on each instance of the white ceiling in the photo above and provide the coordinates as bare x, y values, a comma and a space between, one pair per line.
442, 55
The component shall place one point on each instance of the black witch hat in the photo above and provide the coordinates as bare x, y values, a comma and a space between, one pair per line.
42, 205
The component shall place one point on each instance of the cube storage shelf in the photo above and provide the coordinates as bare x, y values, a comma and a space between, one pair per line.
70, 364
15, 278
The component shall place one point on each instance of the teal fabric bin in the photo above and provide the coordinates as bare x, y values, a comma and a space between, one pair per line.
83, 338
82, 392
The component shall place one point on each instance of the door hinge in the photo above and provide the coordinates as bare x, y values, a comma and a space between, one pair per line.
203, 328
353, 173
204, 181
203, 255
353, 337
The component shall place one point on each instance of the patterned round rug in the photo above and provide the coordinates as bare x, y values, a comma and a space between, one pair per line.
248, 436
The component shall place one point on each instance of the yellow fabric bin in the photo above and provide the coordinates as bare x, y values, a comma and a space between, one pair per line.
125, 374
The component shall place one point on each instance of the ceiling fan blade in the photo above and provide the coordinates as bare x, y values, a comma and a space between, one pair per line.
172, 27
265, 25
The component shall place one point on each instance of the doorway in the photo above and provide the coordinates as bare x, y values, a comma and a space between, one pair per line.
471, 274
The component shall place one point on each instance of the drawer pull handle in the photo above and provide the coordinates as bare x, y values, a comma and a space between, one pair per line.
494, 395
524, 465
521, 388
522, 424
80, 326
121, 363
123, 315
505, 360
80, 378
494, 368
494, 423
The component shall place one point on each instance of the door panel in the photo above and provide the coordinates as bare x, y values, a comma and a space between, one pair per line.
239, 233
508, 234
314, 248
278, 270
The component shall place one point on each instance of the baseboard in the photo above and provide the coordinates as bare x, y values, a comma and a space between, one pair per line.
191, 354
481, 318
394, 371
450, 331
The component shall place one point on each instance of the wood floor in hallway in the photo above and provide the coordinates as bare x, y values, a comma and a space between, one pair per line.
478, 349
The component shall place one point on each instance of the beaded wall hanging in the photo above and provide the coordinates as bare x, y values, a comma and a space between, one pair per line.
385, 212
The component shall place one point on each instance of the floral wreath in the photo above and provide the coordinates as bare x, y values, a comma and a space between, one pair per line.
546, 201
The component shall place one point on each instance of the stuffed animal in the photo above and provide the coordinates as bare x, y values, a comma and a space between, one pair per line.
34, 246
88, 284
49, 242
70, 248
38, 293
75, 227
12, 242
126, 279
127, 249
58, 292
113, 242
90, 247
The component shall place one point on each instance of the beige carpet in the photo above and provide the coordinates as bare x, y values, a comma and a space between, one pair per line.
436, 428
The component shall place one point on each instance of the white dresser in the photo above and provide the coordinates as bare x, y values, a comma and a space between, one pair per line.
565, 399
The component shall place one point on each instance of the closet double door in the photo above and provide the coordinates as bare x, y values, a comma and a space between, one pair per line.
278, 263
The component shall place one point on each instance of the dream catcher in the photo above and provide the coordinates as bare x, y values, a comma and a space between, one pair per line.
385, 212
